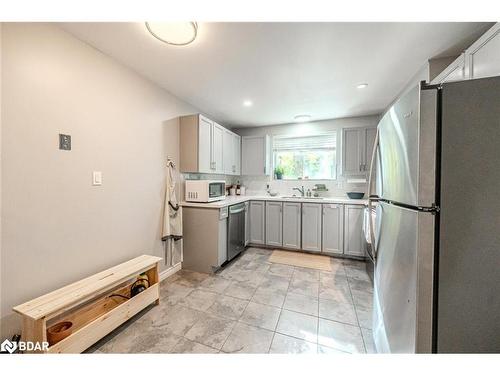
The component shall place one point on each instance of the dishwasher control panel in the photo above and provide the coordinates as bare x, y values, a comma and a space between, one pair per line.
223, 213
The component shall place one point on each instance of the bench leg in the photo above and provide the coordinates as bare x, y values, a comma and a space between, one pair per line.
154, 277
34, 331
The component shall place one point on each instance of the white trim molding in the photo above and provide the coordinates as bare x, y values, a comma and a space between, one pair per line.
170, 271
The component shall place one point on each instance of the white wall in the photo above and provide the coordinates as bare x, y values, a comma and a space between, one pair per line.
57, 227
257, 185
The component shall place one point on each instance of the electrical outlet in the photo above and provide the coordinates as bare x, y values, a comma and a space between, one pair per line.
64, 142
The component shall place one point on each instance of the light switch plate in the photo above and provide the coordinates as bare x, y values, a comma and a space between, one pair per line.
64, 142
96, 178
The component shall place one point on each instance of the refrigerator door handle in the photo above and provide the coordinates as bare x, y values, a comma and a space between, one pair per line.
372, 199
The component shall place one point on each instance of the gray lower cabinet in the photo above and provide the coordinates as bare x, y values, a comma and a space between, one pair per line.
292, 225
274, 224
311, 226
204, 239
333, 229
257, 222
353, 233
247, 223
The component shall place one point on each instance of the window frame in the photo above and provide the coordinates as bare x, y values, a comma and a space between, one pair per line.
337, 154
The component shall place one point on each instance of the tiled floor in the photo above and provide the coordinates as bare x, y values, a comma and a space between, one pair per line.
253, 306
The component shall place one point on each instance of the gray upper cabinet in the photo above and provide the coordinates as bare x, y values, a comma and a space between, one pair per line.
311, 226
255, 155
204, 157
351, 155
274, 224
353, 230
357, 146
482, 59
257, 222
217, 148
292, 225
333, 229
453, 72
228, 153
232, 153
207, 147
236, 154
370, 135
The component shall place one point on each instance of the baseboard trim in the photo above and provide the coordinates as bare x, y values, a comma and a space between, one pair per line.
169, 272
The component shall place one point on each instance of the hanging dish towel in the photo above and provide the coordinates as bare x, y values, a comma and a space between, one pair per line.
172, 214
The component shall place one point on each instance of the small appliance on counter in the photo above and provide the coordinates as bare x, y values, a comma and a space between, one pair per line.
205, 190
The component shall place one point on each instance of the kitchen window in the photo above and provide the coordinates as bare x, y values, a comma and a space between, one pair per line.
312, 157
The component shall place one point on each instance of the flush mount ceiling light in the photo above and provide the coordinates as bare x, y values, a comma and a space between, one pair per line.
174, 33
362, 85
247, 103
302, 118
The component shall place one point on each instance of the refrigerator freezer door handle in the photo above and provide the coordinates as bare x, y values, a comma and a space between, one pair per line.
371, 199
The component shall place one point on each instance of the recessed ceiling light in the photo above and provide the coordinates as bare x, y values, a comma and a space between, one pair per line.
362, 85
174, 33
302, 118
247, 103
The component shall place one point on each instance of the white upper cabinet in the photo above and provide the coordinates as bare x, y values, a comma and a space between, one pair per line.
255, 155
357, 146
207, 147
482, 59
333, 229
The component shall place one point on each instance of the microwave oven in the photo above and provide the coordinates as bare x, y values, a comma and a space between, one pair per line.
205, 190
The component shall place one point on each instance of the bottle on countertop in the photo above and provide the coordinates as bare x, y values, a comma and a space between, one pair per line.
238, 186
308, 194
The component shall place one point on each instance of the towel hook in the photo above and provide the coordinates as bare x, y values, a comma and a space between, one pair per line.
170, 162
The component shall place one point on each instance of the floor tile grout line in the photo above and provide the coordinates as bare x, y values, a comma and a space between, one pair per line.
317, 330
238, 321
281, 311
195, 284
356, 313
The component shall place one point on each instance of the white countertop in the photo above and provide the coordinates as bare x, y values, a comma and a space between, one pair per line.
230, 200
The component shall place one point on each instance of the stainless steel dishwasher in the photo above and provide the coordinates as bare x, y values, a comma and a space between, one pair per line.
235, 230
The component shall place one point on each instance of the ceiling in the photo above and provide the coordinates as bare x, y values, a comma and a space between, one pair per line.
285, 69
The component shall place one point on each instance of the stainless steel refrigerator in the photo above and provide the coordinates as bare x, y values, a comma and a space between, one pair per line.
436, 232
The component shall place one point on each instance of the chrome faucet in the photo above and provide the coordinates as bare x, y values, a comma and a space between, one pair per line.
300, 190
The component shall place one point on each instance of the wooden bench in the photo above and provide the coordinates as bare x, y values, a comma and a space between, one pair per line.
88, 304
